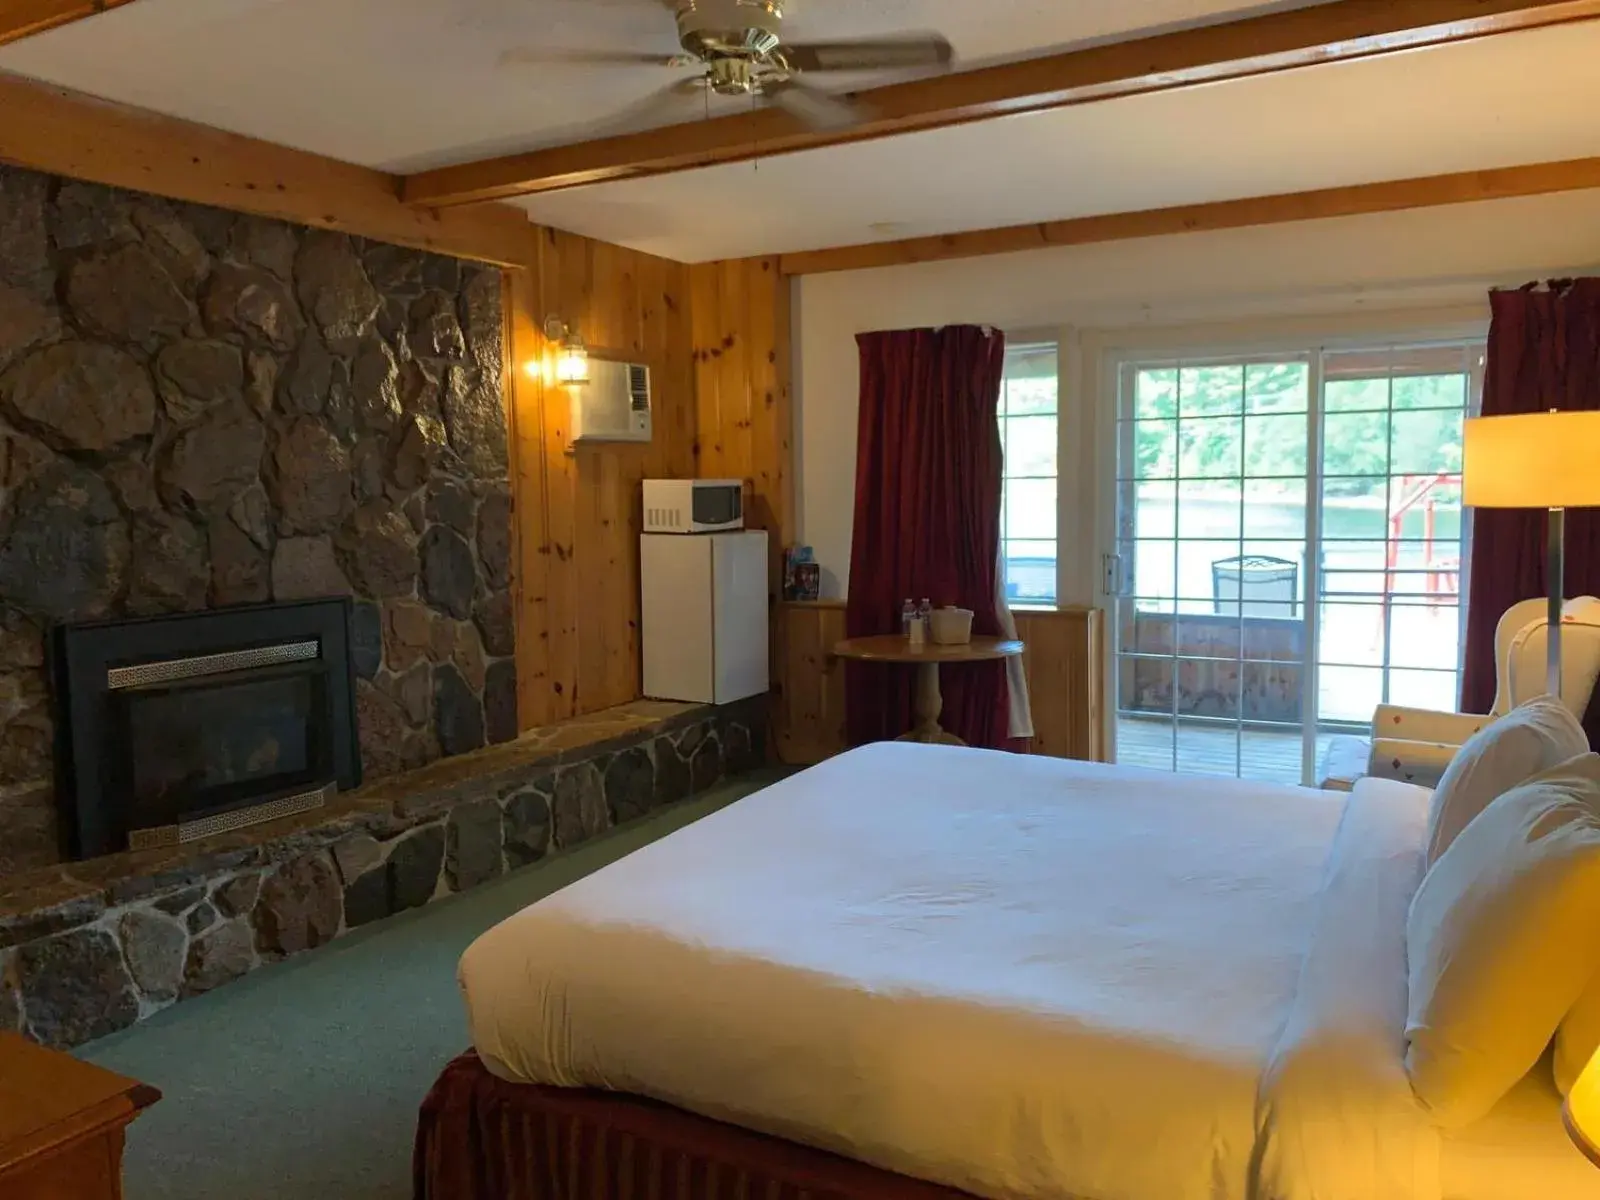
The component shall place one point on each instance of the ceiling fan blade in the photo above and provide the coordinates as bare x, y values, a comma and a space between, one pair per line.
923, 50
818, 109
546, 56
664, 106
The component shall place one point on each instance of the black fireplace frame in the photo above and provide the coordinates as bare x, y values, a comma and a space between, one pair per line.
82, 653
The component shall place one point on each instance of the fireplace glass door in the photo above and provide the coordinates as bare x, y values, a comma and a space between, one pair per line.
194, 747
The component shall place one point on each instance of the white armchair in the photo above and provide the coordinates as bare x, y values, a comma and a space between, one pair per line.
1416, 744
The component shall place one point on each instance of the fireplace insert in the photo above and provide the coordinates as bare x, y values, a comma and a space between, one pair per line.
175, 728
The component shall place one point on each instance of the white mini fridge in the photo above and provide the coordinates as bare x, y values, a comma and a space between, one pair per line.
704, 615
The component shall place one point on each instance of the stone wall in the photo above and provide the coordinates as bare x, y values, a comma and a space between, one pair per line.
87, 949
201, 408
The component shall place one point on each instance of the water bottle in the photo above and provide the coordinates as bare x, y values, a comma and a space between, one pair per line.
908, 615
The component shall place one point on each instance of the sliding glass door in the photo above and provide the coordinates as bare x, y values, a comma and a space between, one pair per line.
1288, 550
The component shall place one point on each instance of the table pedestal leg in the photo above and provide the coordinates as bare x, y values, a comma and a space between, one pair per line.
927, 707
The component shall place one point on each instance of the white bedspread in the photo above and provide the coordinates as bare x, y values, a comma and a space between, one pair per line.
1019, 976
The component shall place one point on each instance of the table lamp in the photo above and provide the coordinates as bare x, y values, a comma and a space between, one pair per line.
1538, 460
1581, 1112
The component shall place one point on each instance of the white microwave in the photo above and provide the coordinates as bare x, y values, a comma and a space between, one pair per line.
693, 505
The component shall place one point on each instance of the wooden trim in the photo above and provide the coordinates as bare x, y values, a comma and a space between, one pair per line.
1361, 199
1337, 31
24, 18
61, 132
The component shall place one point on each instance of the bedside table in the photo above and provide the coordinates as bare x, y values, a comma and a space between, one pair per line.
62, 1123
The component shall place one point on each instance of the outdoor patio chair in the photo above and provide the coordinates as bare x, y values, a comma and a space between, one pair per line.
1417, 744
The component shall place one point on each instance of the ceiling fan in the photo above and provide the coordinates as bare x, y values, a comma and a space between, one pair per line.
738, 49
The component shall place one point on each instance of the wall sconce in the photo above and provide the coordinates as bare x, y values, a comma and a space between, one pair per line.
572, 356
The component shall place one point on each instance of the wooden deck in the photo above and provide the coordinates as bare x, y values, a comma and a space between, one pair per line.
1213, 750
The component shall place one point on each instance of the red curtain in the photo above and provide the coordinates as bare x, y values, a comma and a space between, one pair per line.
927, 523
1544, 353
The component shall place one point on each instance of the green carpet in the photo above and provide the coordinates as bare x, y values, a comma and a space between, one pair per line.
303, 1079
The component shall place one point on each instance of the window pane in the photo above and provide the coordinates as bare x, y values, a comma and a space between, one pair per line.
1272, 693
1031, 508
1153, 510
1150, 634
1355, 569
1031, 380
1154, 449
1272, 755
1274, 509
1147, 687
1275, 445
1156, 393
1355, 395
1205, 748
1028, 396
1199, 581
1355, 444
1031, 571
1425, 635
1211, 391
1144, 740
1150, 566
1433, 513
1210, 448
1349, 693
1426, 441
1030, 444
1430, 391
1209, 635
1351, 634
1355, 508
1276, 387
1208, 510
1423, 689
1275, 633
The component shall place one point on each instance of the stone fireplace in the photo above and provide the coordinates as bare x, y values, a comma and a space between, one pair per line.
201, 409
180, 727
225, 441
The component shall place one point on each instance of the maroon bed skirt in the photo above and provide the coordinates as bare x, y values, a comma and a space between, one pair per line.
480, 1138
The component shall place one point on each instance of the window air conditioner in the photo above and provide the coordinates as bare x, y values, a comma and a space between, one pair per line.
614, 406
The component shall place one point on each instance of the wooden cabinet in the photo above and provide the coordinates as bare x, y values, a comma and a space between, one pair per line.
61, 1124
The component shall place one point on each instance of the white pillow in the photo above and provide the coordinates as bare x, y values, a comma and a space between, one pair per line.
1531, 738
1501, 941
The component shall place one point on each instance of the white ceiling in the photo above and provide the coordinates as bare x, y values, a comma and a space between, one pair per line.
1423, 113
407, 84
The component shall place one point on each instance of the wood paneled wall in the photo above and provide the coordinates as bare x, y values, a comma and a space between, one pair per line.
808, 704
1064, 663
578, 509
740, 314
716, 338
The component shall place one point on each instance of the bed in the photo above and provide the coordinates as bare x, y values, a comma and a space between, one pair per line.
952, 971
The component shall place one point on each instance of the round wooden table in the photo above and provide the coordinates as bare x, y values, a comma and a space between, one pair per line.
927, 658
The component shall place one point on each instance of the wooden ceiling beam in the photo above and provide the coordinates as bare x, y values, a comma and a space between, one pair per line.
24, 18
59, 132
1337, 31
1361, 199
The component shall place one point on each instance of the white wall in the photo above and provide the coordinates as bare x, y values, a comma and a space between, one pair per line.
1426, 259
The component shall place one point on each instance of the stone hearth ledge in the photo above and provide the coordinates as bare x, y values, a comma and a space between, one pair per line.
91, 947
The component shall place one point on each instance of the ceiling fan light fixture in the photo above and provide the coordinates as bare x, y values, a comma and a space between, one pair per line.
746, 29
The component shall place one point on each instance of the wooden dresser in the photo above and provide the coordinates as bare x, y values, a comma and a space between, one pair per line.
62, 1123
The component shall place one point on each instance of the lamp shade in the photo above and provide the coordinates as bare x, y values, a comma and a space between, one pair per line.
1581, 1113
1538, 460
